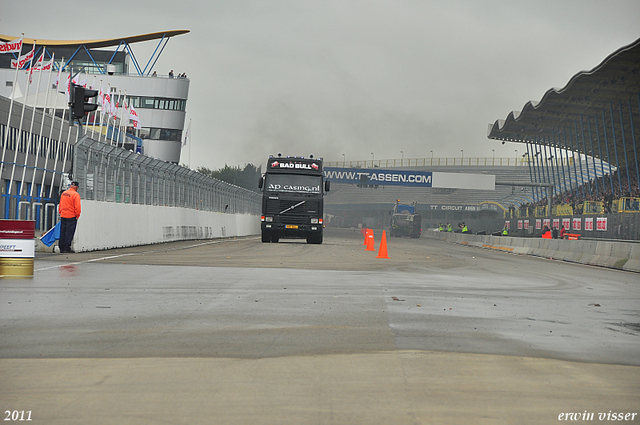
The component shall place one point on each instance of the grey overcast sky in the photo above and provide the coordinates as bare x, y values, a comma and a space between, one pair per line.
350, 77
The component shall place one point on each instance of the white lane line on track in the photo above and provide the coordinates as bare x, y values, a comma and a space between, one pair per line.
110, 257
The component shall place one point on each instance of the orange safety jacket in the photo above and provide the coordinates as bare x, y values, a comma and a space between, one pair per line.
69, 206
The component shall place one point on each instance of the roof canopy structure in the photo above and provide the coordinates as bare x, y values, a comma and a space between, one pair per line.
596, 113
98, 44
124, 42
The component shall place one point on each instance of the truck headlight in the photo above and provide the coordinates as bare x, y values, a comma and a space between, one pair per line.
314, 221
268, 219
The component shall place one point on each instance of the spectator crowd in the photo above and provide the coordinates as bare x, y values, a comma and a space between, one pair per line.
596, 190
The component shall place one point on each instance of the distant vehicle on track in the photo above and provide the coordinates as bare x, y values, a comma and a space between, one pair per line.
405, 221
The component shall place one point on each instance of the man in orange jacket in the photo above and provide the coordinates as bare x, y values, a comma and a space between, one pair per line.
69, 209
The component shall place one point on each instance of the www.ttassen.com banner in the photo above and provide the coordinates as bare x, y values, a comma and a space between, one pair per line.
380, 177
410, 178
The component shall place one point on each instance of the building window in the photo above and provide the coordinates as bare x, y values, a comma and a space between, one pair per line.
161, 134
158, 103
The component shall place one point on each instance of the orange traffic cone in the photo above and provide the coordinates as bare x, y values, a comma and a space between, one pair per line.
365, 233
370, 241
382, 253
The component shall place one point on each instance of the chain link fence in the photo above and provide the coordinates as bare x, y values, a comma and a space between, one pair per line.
113, 174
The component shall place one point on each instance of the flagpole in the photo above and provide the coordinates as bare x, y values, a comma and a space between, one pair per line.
53, 119
93, 127
114, 110
114, 115
6, 133
33, 116
40, 138
100, 100
55, 161
19, 136
109, 114
125, 118
67, 149
187, 136
120, 135
116, 118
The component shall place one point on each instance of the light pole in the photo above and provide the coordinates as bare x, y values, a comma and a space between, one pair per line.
462, 156
401, 158
372, 159
344, 159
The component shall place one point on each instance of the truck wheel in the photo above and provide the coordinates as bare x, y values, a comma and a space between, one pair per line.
275, 237
315, 238
266, 237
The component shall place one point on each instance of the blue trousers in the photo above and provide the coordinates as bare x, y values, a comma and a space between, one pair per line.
67, 230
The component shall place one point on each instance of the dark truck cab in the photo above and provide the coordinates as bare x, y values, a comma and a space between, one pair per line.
292, 199
405, 221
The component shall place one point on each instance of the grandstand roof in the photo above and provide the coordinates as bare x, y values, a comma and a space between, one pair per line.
609, 93
95, 44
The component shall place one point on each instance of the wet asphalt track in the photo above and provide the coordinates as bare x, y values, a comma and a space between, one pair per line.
242, 299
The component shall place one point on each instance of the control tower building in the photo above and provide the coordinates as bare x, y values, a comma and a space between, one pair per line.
160, 100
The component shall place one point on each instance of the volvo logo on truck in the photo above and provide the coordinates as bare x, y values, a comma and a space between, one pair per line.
292, 199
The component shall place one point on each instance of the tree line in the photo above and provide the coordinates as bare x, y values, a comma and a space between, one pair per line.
246, 177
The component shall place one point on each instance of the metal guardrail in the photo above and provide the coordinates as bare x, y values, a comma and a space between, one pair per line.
592, 207
622, 205
629, 205
113, 174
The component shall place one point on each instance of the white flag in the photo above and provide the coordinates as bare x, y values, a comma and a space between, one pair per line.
106, 103
127, 114
59, 75
14, 46
187, 134
45, 67
40, 66
114, 110
100, 98
81, 80
67, 90
19, 63
133, 114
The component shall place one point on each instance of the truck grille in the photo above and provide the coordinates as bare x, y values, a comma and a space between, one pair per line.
297, 215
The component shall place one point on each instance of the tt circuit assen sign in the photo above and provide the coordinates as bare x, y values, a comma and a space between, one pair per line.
410, 178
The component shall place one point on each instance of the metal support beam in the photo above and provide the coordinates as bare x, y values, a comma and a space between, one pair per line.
549, 186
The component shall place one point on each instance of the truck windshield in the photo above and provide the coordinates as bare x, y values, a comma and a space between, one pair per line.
294, 184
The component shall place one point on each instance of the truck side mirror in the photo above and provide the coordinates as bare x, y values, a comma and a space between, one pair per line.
260, 182
327, 185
